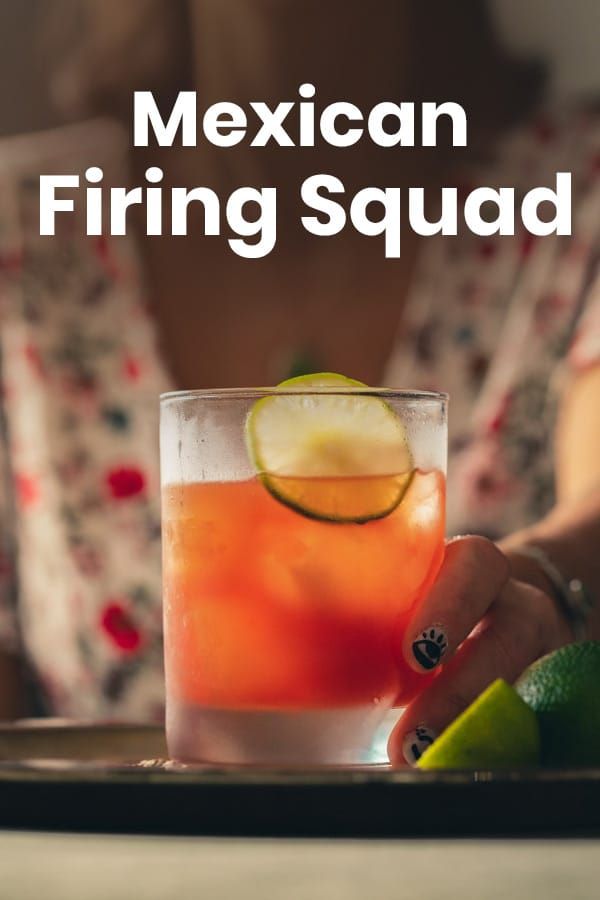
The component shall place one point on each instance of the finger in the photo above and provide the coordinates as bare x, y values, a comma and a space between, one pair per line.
512, 635
473, 573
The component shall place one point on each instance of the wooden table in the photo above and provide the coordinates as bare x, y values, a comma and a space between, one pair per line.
42, 866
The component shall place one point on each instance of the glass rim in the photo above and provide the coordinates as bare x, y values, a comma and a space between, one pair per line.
257, 393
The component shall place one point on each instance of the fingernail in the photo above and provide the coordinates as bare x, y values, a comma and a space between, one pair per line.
430, 646
416, 742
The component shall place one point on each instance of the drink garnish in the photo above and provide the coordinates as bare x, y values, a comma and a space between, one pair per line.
497, 731
334, 454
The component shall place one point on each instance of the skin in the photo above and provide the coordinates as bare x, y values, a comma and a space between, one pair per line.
496, 606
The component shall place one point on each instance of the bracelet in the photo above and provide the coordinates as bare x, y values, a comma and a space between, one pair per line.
574, 600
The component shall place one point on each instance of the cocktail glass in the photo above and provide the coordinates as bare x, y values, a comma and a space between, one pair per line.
283, 631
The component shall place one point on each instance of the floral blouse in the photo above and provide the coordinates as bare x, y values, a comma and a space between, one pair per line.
80, 513
501, 322
489, 320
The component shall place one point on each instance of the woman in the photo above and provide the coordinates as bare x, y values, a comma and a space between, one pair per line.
493, 322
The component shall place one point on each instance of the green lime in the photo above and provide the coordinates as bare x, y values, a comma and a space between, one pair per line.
497, 731
332, 454
563, 688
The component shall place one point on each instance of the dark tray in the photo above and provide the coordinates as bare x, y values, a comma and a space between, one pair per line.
79, 793
378, 803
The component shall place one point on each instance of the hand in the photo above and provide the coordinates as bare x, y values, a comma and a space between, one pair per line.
477, 624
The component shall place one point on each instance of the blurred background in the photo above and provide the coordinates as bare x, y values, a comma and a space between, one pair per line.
563, 35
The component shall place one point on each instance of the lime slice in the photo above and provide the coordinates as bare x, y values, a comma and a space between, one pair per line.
497, 731
331, 455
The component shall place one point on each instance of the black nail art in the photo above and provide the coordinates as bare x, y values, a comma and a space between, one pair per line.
416, 742
429, 648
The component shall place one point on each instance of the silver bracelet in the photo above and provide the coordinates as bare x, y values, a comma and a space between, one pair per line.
574, 600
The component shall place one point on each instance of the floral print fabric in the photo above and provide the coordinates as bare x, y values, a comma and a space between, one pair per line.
499, 322
80, 513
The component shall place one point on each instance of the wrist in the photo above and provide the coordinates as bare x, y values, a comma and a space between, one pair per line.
531, 563
524, 567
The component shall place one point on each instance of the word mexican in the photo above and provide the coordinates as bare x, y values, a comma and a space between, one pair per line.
291, 124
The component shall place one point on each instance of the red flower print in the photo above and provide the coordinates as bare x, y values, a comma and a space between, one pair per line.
125, 482
487, 249
83, 384
132, 368
118, 625
104, 253
527, 242
497, 423
34, 359
28, 489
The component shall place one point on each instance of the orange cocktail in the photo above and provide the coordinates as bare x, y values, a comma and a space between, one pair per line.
283, 631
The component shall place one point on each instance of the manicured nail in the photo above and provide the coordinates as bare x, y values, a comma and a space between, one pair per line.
430, 646
416, 742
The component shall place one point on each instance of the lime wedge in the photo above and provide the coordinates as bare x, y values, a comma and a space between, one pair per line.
331, 455
497, 731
